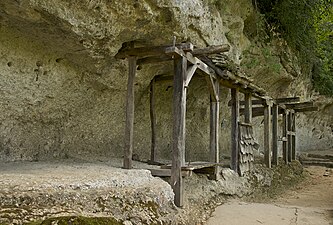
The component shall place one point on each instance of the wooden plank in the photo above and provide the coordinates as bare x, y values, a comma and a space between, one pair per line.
128, 151
293, 137
214, 128
248, 108
167, 172
275, 112
235, 130
194, 165
153, 150
178, 145
211, 50
286, 100
150, 51
284, 133
299, 105
267, 135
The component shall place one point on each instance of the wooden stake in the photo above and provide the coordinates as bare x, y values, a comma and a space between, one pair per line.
235, 129
267, 135
179, 111
275, 113
128, 151
153, 151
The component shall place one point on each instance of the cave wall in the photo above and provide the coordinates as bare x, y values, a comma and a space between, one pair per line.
63, 92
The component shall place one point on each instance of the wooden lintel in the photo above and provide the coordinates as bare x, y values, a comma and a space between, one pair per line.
299, 105
211, 50
151, 51
189, 74
287, 100
154, 59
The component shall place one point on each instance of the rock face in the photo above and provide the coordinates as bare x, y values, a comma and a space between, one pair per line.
63, 93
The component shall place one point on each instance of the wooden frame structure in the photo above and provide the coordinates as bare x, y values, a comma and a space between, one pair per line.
188, 61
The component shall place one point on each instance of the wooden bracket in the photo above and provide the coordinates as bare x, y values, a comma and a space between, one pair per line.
212, 89
189, 74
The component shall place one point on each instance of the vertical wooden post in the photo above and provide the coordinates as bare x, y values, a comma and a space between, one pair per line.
152, 121
214, 129
293, 157
248, 108
267, 134
235, 130
214, 125
285, 137
128, 151
179, 111
275, 114
290, 140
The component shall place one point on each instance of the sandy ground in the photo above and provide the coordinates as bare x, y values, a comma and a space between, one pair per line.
310, 203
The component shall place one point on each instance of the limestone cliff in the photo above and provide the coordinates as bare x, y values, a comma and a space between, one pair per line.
63, 92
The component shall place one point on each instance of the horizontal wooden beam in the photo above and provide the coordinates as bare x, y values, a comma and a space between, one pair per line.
286, 100
299, 105
308, 109
211, 50
150, 51
254, 102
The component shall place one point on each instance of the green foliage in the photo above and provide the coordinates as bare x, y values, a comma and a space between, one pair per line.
307, 26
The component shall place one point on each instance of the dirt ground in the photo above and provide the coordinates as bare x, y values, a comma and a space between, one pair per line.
309, 203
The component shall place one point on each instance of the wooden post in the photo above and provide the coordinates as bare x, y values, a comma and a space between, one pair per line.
275, 134
267, 134
293, 157
128, 151
285, 138
153, 121
235, 130
248, 108
290, 140
214, 129
179, 111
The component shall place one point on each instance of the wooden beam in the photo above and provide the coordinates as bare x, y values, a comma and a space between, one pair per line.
128, 151
293, 137
154, 59
267, 135
214, 128
211, 50
235, 130
150, 51
248, 108
179, 111
308, 109
289, 136
286, 100
275, 113
284, 134
254, 102
212, 88
299, 105
189, 74
153, 150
